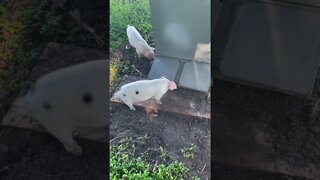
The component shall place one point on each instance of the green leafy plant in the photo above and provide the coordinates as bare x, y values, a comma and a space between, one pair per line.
163, 153
195, 178
117, 70
124, 164
142, 139
189, 151
10, 27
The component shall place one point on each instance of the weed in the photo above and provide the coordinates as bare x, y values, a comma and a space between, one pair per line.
142, 139
10, 28
125, 165
189, 151
118, 69
113, 79
15, 61
163, 153
195, 178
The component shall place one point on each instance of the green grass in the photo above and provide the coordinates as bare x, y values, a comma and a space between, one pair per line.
125, 164
128, 12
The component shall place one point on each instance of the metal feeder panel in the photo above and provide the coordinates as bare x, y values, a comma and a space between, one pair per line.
181, 28
273, 45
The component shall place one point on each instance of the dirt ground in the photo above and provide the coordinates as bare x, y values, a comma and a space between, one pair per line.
127, 54
171, 131
34, 155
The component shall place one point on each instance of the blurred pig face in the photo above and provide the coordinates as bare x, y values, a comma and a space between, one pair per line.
150, 55
117, 96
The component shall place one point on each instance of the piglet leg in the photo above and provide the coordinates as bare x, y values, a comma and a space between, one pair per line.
139, 54
71, 145
60, 129
158, 97
130, 106
64, 135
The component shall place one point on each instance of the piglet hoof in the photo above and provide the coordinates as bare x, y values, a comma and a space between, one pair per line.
154, 115
133, 108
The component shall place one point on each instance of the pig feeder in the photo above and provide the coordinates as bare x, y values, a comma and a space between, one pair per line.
182, 35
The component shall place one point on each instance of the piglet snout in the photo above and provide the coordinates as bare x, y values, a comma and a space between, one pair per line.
150, 55
172, 85
116, 97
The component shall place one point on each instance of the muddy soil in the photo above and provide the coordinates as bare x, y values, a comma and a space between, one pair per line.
127, 54
171, 131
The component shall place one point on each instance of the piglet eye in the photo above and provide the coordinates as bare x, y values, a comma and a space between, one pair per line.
123, 94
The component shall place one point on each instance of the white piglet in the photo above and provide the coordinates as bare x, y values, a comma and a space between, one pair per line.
141, 46
69, 98
143, 90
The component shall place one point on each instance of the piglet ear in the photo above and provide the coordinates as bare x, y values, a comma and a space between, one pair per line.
172, 85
